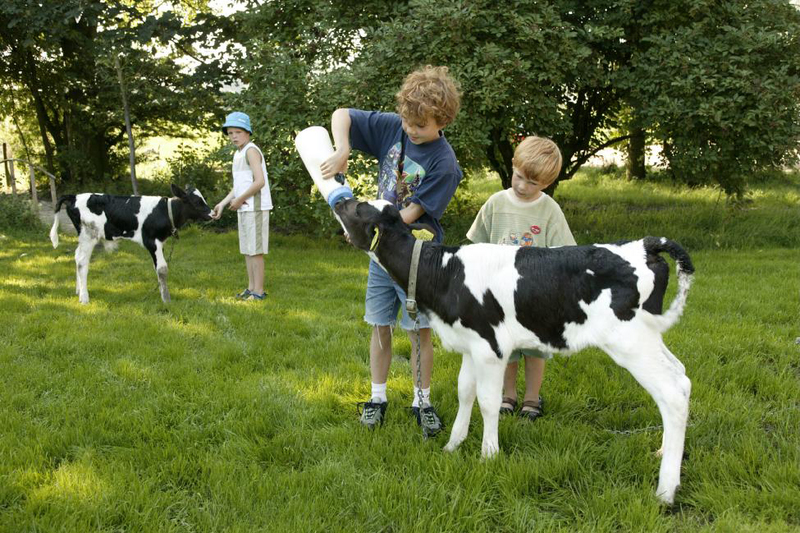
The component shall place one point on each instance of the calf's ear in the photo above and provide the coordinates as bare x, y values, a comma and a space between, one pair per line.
416, 226
177, 191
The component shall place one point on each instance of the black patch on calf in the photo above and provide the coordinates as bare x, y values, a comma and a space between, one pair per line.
452, 300
157, 225
121, 214
553, 281
74, 215
655, 302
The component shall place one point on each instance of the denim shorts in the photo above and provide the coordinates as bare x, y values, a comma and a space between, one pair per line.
516, 355
384, 299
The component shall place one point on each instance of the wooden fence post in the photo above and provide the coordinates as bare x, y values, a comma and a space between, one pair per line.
5, 165
34, 196
8, 164
52, 190
12, 177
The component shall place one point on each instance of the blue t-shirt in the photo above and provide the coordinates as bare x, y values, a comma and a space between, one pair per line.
430, 170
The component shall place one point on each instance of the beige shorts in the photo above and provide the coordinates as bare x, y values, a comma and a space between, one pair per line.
253, 232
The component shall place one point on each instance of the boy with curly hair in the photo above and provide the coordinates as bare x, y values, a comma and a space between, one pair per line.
411, 140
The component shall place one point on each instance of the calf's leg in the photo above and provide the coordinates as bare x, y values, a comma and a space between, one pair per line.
466, 397
83, 255
156, 249
655, 368
489, 371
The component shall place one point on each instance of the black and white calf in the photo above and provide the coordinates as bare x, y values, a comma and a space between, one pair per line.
148, 220
486, 300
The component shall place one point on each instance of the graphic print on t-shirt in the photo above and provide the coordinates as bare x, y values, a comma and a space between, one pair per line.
413, 174
519, 239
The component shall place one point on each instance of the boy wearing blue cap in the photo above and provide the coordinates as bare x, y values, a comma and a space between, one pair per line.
251, 199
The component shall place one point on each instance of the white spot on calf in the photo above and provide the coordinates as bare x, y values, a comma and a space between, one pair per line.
490, 267
633, 253
446, 258
590, 272
147, 205
600, 321
380, 205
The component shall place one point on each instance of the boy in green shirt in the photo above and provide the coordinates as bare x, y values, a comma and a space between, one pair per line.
523, 215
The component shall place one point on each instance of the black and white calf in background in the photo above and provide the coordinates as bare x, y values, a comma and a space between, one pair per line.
148, 220
486, 300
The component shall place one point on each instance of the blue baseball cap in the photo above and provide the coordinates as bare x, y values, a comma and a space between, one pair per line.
237, 119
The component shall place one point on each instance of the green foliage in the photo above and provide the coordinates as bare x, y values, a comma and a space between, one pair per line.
207, 170
60, 60
578, 72
720, 85
716, 83
16, 213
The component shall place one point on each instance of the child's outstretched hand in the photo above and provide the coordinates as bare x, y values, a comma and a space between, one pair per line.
335, 164
216, 213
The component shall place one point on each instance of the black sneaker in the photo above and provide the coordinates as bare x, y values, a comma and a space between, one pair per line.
428, 420
372, 412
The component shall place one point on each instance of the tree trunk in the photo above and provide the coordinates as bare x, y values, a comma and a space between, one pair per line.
634, 164
131, 147
500, 154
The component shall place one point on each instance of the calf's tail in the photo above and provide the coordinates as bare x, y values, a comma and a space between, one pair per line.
685, 273
69, 199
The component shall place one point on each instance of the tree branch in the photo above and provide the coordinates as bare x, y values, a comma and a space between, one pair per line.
585, 157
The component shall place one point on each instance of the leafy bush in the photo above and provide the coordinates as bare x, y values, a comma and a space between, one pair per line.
207, 171
16, 212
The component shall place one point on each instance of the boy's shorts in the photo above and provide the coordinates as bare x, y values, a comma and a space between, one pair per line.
253, 232
516, 355
384, 297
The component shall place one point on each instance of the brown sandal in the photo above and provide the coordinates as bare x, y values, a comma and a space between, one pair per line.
535, 410
508, 410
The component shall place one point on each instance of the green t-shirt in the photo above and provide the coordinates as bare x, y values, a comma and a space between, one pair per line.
505, 219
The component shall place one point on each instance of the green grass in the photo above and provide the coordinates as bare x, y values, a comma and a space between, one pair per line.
209, 414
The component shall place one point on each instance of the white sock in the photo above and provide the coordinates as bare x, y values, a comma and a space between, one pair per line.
426, 397
379, 392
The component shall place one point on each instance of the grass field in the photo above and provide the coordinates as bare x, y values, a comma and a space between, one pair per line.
209, 414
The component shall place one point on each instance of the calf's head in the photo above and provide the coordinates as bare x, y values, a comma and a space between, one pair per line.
193, 203
367, 222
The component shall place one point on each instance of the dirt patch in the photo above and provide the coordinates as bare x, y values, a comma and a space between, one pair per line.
47, 216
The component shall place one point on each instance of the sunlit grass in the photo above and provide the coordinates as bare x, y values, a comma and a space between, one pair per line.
604, 207
209, 414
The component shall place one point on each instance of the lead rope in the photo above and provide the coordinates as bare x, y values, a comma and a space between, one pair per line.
413, 313
411, 302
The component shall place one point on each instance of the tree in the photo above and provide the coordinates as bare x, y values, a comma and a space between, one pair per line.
719, 84
62, 55
589, 74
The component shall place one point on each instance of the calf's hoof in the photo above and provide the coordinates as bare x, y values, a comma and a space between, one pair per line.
666, 495
489, 451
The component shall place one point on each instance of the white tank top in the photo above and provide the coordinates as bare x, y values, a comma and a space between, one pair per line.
243, 178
